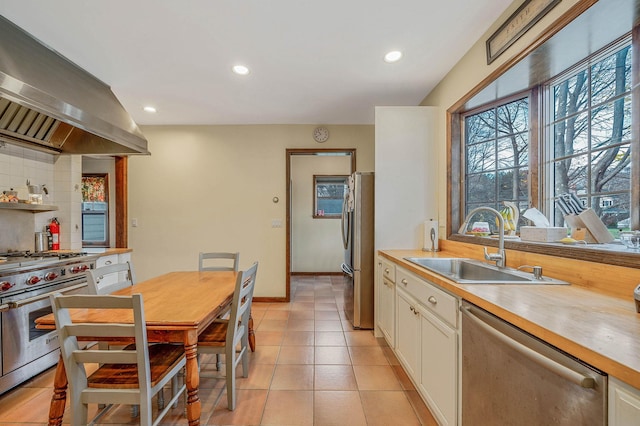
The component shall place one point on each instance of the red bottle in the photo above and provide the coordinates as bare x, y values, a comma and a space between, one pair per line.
54, 228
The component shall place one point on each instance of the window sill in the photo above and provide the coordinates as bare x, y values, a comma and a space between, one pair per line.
611, 254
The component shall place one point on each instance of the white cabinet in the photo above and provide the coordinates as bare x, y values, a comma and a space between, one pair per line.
408, 333
427, 342
624, 404
438, 378
387, 300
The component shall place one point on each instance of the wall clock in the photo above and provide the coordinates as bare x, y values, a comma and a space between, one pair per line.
320, 134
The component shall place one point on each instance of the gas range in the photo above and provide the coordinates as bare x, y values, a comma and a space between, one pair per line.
25, 271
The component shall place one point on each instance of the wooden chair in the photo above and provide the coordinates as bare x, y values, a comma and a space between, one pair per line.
220, 261
224, 337
106, 279
132, 375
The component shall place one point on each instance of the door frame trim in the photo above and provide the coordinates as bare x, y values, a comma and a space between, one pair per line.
290, 152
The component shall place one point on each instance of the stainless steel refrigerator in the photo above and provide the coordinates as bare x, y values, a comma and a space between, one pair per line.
357, 238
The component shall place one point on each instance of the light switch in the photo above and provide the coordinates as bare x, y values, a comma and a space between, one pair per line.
276, 223
134, 223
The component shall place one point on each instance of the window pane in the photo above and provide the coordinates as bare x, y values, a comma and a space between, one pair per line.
94, 227
611, 76
329, 195
611, 169
481, 187
611, 123
480, 127
481, 157
513, 151
571, 174
612, 209
571, 136
571, 95
513, 117
513, 184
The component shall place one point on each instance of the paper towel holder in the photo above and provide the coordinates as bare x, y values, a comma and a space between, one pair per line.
433, 236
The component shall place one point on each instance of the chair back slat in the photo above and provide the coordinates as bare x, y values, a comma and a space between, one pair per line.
218, 261
87, 356
101, 330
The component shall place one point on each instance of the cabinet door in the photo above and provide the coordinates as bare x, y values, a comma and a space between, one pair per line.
624, 404
408, 334
438, 378
388, 311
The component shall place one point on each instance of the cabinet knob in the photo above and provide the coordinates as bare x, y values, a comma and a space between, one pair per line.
386, 270
432, 300
108, 262
404, 281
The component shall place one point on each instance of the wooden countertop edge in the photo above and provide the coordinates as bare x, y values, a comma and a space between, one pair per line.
617, 368
110, 251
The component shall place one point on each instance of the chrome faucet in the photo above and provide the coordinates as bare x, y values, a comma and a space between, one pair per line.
501, 256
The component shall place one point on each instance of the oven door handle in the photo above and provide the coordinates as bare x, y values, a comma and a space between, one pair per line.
20, 303
565, 372
5, 307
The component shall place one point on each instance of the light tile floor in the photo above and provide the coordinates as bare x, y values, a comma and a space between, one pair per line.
310, 367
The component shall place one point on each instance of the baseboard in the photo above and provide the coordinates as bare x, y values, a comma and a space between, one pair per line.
316, 273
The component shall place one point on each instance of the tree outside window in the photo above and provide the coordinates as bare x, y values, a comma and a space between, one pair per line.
496, 152
590, 138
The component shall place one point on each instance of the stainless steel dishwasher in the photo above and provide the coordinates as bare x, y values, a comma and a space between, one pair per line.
512, 378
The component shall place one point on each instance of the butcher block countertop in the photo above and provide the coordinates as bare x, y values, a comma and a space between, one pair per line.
601, 329
106, 251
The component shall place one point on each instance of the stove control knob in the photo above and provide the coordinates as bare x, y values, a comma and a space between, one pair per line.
77, 269
50, 276
5, 285
33, 280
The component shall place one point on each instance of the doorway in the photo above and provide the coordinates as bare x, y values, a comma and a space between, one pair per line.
306, 209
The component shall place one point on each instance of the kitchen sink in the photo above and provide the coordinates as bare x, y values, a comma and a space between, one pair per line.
470, 271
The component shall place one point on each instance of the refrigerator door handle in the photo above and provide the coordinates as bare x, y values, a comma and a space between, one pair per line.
347, 270
346, 231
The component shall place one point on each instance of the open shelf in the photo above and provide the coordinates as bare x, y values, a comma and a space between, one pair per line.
29, 207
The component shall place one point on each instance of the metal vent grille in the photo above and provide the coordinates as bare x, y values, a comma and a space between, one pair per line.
22, 123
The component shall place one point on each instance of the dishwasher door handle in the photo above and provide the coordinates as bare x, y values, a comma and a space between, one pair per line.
559, 369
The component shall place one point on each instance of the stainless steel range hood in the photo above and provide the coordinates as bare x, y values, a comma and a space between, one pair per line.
50, 104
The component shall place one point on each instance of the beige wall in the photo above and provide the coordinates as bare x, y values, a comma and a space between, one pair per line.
210, 188
316, 244
470, 71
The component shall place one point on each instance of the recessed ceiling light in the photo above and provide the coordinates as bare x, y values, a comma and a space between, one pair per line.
393, 56
149, 109
240, 70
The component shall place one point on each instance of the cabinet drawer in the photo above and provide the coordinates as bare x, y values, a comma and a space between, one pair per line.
111, 259
438, 301
388, 270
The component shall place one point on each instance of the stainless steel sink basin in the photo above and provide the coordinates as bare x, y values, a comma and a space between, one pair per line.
470, 271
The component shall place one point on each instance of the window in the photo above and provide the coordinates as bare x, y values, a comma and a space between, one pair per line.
95, 210
496, 156
585, 149
329, 193
589, 137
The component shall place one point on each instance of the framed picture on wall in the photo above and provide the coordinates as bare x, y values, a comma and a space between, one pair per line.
530, 12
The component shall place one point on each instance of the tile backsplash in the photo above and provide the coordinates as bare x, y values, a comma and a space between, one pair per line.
61, 175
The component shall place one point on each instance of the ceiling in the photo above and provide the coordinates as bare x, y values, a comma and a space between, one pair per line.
311, 62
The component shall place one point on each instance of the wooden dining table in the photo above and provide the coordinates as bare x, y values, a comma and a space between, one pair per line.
178, 306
